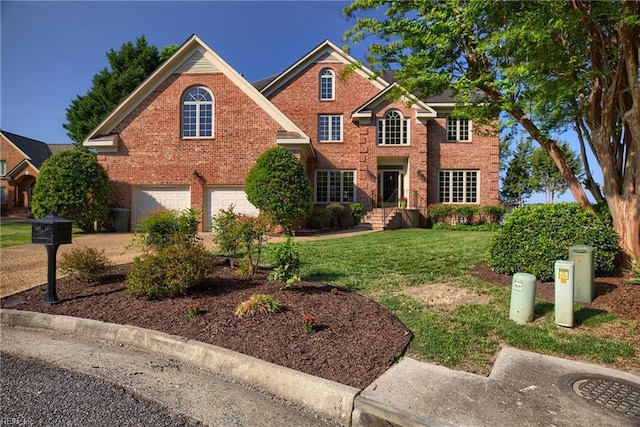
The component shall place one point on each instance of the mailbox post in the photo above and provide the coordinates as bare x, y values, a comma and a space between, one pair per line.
51, 231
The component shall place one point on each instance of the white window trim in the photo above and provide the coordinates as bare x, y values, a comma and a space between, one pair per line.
450, 172
382, 123
457, 120
315, 186
333, 84
197, 104
331, 117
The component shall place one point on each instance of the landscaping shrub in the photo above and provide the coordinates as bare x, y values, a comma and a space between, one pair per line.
492, 214
319, 219
336, 213
439, 213
465, 214
86, 264
253, 232
357, 211
279, 186
163, 228
287, 256
227, 230
534, 237
258, 303
170, 271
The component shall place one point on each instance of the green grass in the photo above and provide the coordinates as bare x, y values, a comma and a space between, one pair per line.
19, 233
464, 336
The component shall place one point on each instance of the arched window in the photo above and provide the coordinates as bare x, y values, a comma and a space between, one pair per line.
393, 129
327, 86
197, 113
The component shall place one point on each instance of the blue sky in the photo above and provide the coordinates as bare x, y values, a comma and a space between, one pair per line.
50, 50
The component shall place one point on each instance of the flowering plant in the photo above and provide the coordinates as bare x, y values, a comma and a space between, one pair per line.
309, 323
193, 309
403, 199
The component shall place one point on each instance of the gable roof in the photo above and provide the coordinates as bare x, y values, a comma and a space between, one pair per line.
423, 110
34, 151
324, 51
192, 56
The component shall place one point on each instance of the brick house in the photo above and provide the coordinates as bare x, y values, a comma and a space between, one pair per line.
20, 162
188, 135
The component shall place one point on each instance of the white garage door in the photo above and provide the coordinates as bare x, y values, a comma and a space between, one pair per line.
222, 197
148, 199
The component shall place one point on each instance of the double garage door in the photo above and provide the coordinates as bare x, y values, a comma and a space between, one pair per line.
148, 199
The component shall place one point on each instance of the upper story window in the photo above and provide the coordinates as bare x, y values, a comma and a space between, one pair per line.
327, 85
458, 129
197, 113
393, 129
3, 167
329, 128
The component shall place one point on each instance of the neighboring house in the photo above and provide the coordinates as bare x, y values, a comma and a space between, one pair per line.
20, 162
188, 135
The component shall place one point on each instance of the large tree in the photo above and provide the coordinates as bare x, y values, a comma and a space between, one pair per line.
516, 183
545, 175
549, 65
129, 67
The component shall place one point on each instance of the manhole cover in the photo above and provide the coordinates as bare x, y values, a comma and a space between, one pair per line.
614, 395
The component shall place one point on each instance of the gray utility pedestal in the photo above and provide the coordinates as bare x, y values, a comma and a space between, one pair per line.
523, 298
583, 287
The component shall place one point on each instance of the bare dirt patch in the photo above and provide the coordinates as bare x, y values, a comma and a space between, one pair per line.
444, 295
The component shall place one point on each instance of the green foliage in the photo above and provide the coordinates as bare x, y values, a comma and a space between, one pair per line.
258, 303
170, 271
465, 213
545, 175
336, 213
516, 183
357, 211
287, 256
129, 67
278, 185
253, 232
73, 184
226, 226
534, 237
439, 213
87, 264
167, 227
492, 214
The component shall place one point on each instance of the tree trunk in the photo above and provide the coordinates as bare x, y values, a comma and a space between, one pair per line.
626, 221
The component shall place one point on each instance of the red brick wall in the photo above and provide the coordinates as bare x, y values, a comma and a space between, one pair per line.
152, 151
17, 195
481, 154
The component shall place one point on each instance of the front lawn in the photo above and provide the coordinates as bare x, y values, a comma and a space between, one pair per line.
19, 233
457, 320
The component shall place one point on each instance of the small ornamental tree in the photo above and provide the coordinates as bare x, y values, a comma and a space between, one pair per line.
73, 184
278, 185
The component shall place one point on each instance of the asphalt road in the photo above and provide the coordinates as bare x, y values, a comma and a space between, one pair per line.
53, 379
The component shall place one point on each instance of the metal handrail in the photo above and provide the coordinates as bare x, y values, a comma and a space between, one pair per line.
418, 201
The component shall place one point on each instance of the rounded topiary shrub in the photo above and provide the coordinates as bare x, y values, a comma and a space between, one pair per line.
534, 237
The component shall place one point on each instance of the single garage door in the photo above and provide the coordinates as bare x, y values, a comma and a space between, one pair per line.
148, 199
218, 198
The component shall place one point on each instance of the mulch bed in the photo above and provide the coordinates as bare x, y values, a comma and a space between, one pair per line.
356, 341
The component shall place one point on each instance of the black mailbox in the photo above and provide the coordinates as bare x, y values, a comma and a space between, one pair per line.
51, 230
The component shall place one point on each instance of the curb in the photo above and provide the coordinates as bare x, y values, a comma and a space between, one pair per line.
329, 399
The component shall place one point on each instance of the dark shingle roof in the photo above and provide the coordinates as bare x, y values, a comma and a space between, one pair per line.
36, 151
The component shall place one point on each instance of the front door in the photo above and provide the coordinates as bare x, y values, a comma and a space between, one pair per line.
390, 186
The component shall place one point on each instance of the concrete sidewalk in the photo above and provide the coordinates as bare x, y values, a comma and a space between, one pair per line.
524, 389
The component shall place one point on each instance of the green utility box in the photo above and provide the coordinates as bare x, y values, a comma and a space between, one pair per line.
583, 286
120, 218
523, 298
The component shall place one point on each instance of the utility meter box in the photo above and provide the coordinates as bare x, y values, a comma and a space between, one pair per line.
564, 275
583, 286
523, 298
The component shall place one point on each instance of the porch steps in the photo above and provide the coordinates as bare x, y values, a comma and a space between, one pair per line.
374, 219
